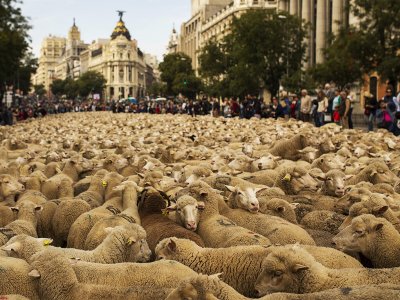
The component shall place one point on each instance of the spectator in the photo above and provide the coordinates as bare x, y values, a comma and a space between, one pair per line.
285, 103
322, 108
276, 109
370, 107
305, 106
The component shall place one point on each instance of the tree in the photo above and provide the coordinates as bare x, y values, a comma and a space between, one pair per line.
14, 40
39, 90
341, 64
378, 37
157, 89
261, 47
27, 67
91, 82
58, 87
172, 67
212, 60
187, 85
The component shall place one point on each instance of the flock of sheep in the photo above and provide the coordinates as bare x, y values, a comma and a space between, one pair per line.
103, 206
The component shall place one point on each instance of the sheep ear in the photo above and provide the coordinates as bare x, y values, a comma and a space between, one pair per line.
380, 210
141, 175
287, 177
34, 274
201, 205
203, 193
231, 188
216, 276
172, 207
378, 226
256, 190
45, 241
108, 229
321, 177
172, 245
347, 177
373, 172
38, 208
130, 241
14, 209
298, 267
14, 247
58, 170
281, 209
294, 205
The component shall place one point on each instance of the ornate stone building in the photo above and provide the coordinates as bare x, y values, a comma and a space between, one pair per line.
118, 59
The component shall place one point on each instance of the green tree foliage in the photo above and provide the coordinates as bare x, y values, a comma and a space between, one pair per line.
212, 60
342, 64
39, 90
14, 40
260, 49
378, 37
157, 89
174, 69
187, 84
57, 87
23, 75
91, 82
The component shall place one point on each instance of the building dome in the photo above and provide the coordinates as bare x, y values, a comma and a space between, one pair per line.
121, 29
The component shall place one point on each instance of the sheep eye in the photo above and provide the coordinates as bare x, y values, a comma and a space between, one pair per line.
330, 179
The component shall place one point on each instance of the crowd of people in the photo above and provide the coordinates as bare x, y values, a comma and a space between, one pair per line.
329, 105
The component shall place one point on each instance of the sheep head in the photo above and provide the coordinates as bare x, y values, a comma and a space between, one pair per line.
245, 199
187, 211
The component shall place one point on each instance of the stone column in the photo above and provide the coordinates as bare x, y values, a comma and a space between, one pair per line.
306, 13
294, 7
321, 30
282, 5
337, 15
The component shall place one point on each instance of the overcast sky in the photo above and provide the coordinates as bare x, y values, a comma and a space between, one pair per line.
150, 22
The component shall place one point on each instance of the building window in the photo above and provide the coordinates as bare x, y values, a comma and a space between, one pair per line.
255, 2
120, 55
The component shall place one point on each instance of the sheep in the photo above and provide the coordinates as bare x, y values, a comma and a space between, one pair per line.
328, 162
374, 204
6, 216
334, 183
206, 287
294, 270
54, 284
123, 244
14, 278
377, 172
9, 188
215, 229
293, 180
26, 221
323, 220
84, 223
158, 226
288, 148
240, 265
130, 214
60, 185
376, 238
163, 273
279, 208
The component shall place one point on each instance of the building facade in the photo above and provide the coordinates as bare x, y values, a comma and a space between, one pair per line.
211, 19
118, 59
52, 50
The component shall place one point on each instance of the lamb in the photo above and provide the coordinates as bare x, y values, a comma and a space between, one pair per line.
240, 265
294, 270
158, 226
14, 278
279, 208
54, 284
130, 214
123, 244
215, 229
376, 238
328, 162
211, 287
9, 189
293, 180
